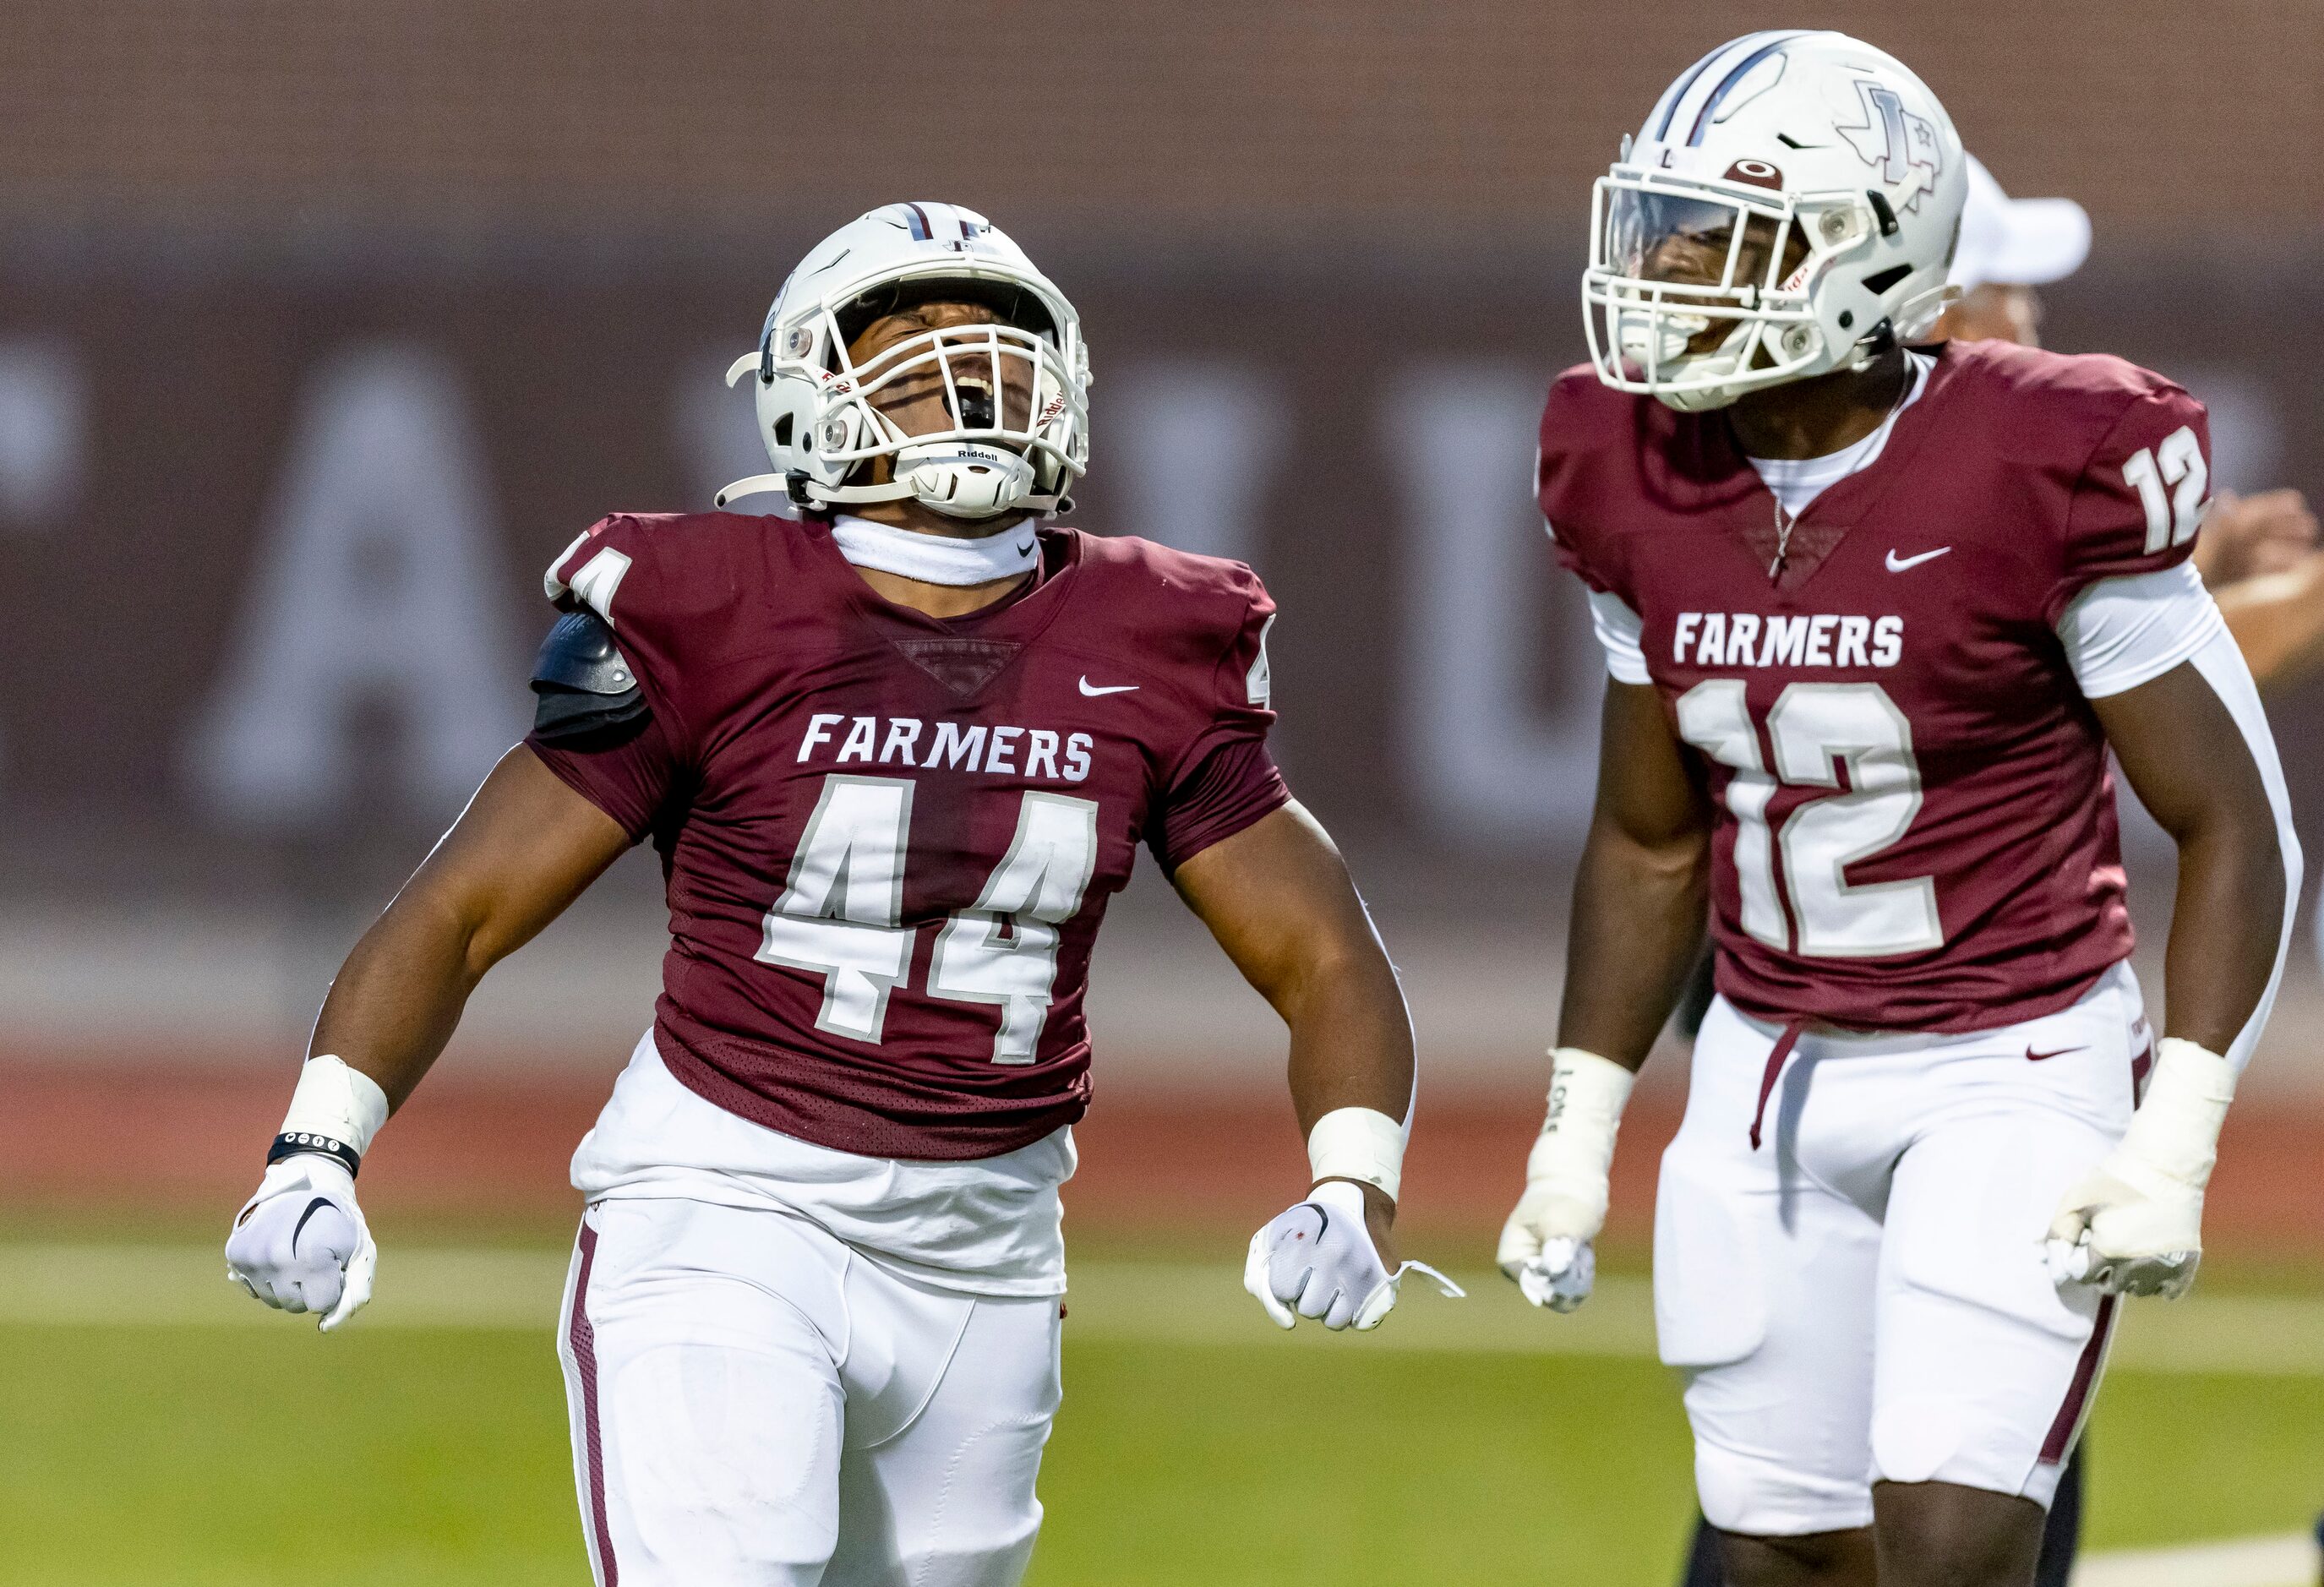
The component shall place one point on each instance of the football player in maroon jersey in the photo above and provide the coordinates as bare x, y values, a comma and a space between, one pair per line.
895, 756
1873, 616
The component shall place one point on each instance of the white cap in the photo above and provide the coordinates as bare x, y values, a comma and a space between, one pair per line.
2016, 242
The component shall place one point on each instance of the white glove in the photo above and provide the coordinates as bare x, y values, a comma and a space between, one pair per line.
1319, 1258
2134, 1224
1546, 1246
301, 1244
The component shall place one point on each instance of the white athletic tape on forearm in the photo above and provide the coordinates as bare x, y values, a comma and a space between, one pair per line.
2176, 1128
339, 1103
1575, 1148
1361, 1144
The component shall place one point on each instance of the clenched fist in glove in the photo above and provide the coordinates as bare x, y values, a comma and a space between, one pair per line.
301, 1244
1317, 1260
1546, 1245
2135, 1224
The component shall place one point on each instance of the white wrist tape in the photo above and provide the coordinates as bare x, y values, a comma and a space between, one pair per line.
1361, 1144
337, 1103
1575, 1149
2176, 1130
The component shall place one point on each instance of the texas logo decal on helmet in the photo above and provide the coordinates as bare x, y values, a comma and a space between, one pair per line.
1903, 146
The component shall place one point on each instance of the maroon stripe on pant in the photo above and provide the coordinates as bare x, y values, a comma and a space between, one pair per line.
583, 1338
2077, 1392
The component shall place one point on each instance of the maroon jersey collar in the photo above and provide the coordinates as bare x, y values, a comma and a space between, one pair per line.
1700, 469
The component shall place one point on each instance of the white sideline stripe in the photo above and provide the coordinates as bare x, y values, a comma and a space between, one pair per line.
2288, 1561
1196, 1303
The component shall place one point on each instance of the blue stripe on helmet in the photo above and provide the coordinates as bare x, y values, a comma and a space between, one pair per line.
919, 223
1678, 90
1702, 116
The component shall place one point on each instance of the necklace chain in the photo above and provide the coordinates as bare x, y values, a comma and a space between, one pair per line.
1785, 521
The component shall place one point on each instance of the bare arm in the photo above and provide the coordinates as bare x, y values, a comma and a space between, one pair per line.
526, 846
2195, 769
1280, 902
1638, 918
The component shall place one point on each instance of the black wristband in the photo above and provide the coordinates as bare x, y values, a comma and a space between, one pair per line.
322, 1146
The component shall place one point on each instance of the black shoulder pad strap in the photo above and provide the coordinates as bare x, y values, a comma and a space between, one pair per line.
589, 697
579, 653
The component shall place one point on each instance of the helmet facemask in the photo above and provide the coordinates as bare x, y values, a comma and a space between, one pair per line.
970, 417
1698, 291
975, 419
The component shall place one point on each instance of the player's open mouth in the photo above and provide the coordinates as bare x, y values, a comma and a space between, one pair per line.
976, 403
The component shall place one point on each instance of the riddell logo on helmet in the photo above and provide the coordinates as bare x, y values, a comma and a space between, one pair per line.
1050, 409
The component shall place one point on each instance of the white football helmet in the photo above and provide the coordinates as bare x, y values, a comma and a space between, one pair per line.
817, 413
1789, 207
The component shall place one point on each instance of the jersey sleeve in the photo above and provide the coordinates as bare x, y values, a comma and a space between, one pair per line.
1560, 483
1232, 789
1225, 780
633, 782
663, 586
2141, 495
1620, 632
654, 587
2121, 633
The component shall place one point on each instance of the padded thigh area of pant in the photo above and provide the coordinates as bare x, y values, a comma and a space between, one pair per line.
727, 1451
1763, 1283
950, 1500
1711, 1296
1978, 1350
717, 1393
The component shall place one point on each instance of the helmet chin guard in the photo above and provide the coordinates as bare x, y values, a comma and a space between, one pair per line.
1789, 209
965, 479
1014, 393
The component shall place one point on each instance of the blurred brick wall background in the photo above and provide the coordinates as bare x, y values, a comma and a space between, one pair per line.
1324, 123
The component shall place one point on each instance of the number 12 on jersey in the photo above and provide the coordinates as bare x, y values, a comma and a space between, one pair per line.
842, 910
1816, 729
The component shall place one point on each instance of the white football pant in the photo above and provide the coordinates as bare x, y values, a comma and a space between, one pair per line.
755, 1405
1863, 1297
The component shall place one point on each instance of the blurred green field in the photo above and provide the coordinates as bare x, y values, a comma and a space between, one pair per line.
209, 1446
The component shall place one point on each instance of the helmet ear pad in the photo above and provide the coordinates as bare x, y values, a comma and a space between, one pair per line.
803, 435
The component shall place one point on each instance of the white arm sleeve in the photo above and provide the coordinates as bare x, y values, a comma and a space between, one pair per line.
2121, 633
1619, 629
2221, 665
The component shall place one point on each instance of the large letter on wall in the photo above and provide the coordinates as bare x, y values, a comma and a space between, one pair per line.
1502, 685
1193, 441
377, 578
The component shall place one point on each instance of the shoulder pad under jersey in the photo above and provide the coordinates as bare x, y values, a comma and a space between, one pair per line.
586, 687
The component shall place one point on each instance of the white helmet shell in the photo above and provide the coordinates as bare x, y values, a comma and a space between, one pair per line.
1015, 441
1828, 178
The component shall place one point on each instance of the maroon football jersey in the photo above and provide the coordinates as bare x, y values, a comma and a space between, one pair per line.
1917, 820
887, 839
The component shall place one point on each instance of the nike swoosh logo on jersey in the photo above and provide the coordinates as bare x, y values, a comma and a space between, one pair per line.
2033, 1057
1093, 690
1898, 563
